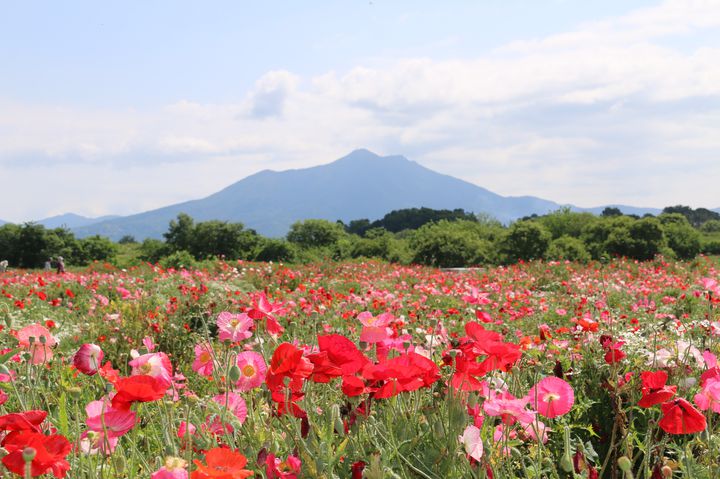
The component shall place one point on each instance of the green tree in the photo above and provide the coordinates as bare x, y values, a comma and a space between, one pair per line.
180, 233
640, 239
681, 237
450, 244
610, 211
219, 238
565, 222
271, 249
567, 248
315, 233
152, 250
524, 240
9, 240
95, 248
711, 226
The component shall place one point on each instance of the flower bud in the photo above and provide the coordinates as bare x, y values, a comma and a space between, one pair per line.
234, 373
29, 454
624, 463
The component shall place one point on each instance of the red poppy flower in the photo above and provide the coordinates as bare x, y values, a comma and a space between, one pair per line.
654, 390
288, 361
22, 421
680, 417
221, 463
50, 453
140, 388
342, 352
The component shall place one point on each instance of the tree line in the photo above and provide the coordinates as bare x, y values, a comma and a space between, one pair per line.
444, 238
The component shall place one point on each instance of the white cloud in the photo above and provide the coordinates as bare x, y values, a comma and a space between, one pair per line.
608, 113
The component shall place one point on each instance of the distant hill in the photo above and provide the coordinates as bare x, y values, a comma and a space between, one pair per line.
71, 220
359, 185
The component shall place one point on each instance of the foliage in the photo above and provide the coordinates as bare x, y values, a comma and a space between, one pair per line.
450, 244
524, 240
567, 248
682, 238
315, 233
696, 217
408, 219
565, 222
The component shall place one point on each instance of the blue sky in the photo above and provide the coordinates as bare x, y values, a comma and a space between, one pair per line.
118, 108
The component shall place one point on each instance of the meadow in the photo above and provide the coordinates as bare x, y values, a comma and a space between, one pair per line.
361, 370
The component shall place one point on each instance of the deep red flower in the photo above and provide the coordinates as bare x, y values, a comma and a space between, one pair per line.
357, 469
343, 353
654, 390
288, 362
50, 453
680, 417
140, 388
22, 421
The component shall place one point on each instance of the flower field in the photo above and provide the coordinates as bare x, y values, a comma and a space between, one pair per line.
362, 370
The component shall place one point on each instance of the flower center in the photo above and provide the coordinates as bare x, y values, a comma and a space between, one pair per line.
248, 370
549, 397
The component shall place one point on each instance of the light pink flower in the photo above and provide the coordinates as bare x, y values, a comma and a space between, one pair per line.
203, 363
149, 344
234, 327
509, 408
112, 422
233, 403
709, 395
472, 442
92, 442
88, 358
552, 397
252, 370
174, 468
41, 344
375, 328
157, 365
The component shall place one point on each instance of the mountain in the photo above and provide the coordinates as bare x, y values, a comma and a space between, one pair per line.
71, 220
359, 185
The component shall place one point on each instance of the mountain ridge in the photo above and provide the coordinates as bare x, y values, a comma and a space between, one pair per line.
359, 185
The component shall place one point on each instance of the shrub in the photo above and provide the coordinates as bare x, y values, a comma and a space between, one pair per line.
524, 240
567, 248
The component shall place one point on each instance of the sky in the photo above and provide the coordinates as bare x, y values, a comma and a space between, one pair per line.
122, 107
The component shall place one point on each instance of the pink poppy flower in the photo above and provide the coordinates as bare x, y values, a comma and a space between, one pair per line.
276, 468
472, 442
509, 408
252, 370
149, 344
203, 364
375, 328
552, 397
174, 468
233, 403
709, 395
157, 365
263, 308
37, 340
88, 358
93, 442
233, 327
103, 418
